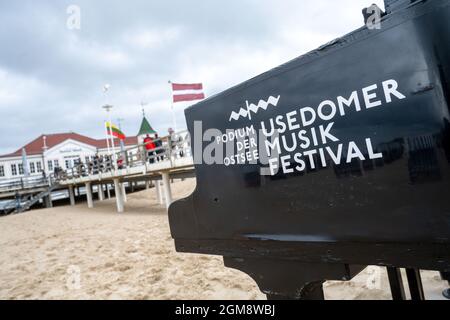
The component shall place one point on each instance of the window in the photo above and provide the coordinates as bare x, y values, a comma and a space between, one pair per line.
87, 159
39, 166
14, 169
56, 163
32, 167
2, 171
50, 165
21, 169
67, 164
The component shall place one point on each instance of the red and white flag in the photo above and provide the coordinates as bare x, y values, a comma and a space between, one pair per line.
187, 92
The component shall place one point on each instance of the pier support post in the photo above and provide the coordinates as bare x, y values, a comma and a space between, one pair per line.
124, 192
167, 189
89, 197
71, 195
108, 192
101, 194
158, 194
48, 201
159, 191
119, 198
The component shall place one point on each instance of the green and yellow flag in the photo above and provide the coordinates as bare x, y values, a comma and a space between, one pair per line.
114, 131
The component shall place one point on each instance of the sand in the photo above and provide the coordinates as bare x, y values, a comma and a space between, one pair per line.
79, 253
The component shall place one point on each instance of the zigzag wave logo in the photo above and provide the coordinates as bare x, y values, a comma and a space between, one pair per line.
247, 112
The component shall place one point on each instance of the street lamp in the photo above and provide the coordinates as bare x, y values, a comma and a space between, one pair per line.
108, 109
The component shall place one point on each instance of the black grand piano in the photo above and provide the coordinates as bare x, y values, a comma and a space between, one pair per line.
334, 161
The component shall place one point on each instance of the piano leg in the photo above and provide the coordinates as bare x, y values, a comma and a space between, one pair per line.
446, 293
312, 291
292, 280
415, 284
446, 276
396, 283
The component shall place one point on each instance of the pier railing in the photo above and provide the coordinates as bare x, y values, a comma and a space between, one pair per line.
26, 183
176, 146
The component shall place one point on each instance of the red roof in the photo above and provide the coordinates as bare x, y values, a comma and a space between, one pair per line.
35, 147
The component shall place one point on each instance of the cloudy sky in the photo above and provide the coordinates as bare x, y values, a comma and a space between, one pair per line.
51, 76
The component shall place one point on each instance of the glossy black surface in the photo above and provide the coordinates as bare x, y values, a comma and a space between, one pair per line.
401, 198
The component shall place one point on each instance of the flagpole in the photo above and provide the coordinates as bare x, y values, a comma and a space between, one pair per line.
113, 149
107, 138
122, 145
108, 108
114, 156
174, 119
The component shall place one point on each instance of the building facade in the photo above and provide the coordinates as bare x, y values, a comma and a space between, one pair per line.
41, 156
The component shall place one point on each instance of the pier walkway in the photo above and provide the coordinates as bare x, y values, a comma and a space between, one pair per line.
111, 174
156, 167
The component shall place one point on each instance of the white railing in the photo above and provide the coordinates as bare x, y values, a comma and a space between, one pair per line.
26, 183
169, 148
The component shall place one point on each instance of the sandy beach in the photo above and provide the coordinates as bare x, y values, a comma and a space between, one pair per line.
77, 253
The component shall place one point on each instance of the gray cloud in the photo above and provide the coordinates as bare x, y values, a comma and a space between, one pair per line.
51, 77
